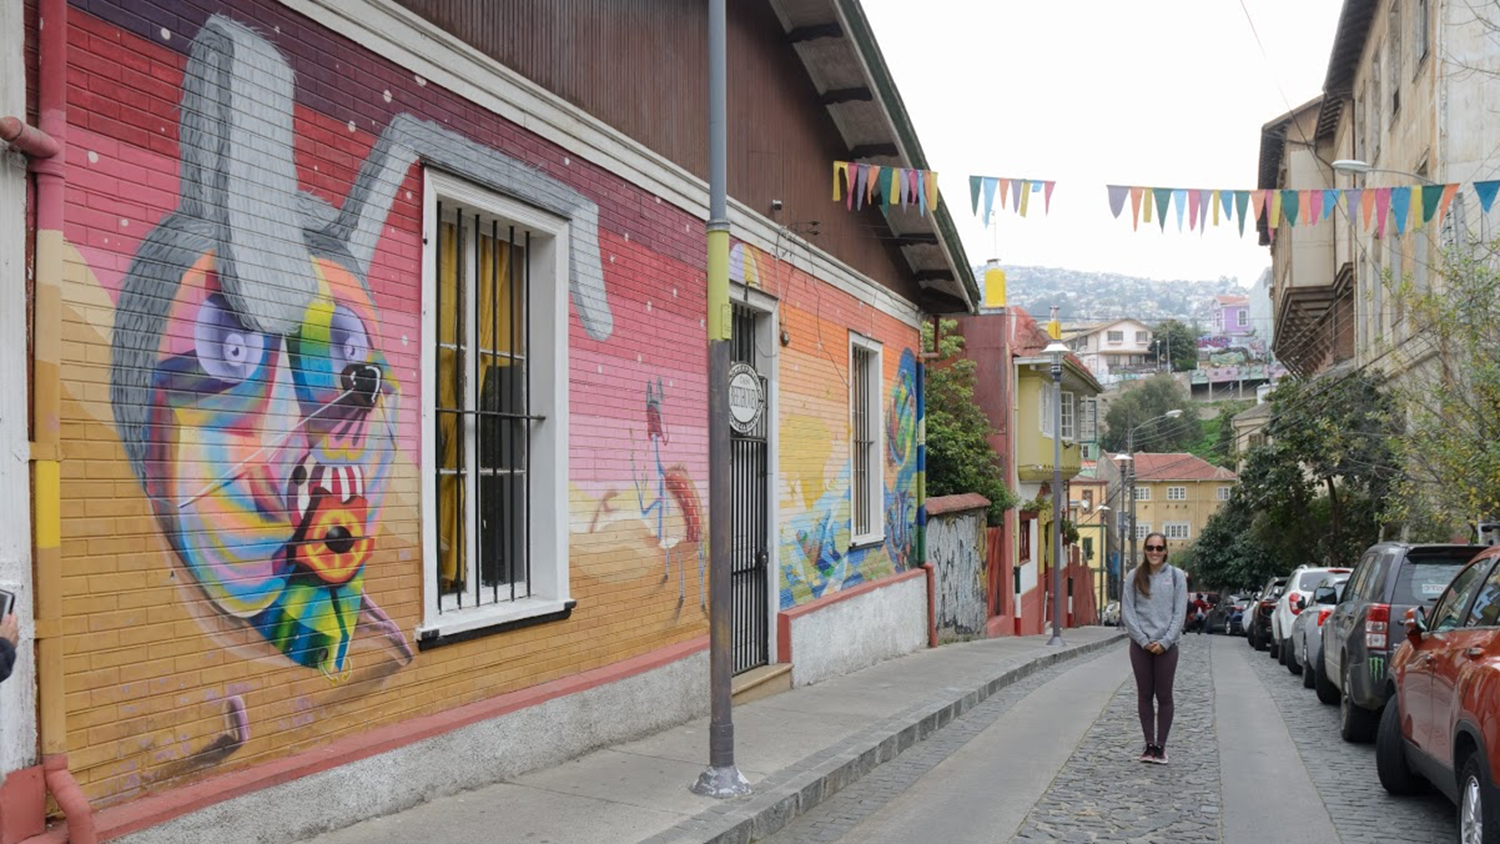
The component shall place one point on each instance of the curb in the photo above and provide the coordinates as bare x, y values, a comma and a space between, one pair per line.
782, 797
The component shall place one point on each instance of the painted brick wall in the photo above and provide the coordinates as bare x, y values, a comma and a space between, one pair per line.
173, 675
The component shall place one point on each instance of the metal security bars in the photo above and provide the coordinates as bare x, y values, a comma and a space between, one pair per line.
862, 389
482, 412
750, 564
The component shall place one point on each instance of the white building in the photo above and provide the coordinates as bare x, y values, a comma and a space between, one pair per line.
1115, 351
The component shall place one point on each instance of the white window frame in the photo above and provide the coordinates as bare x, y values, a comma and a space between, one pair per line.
1142, 530
1142, 493
1176, 493
1111, 339
1044, 409
1177, 531
548, 358
876, 410
1143, 338
1069, 418
1223, 493
1241, 318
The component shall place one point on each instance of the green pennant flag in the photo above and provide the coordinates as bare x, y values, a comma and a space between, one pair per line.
1431, 196
1289, 202
1241, 207
974, 183
1163, 199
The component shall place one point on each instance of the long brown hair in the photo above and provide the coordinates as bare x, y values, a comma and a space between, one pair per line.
1143, 572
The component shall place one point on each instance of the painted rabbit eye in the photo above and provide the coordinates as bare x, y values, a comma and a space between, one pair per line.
226, 349
347, 341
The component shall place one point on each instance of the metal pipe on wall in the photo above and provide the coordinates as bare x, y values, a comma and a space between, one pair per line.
46, 412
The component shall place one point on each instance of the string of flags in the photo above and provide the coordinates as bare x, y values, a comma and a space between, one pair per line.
859, 184
1402, 208
1020, 191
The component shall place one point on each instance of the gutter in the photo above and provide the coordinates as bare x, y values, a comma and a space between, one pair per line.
47, 148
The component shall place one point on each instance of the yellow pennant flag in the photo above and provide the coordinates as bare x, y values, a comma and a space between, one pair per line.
932, 189
1025, 196
840, 167
1273, 216
1146, 210
1213, 200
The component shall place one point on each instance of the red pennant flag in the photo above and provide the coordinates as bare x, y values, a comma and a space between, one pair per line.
1047, 196
1314, 204
1382, 210
1194, 202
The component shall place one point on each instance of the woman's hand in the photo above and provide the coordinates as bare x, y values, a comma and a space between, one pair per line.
1156, 648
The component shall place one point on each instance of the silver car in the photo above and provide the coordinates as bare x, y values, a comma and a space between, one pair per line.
1306, 640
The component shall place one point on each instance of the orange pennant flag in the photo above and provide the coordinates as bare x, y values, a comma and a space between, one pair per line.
1367, 206
932, 189
1307, 206
871, 183
1135, 208
1449, 191
1258, 203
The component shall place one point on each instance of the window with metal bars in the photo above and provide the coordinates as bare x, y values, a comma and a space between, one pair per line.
867, 485
483, 413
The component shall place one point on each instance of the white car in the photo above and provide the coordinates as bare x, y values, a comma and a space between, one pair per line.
1299, 589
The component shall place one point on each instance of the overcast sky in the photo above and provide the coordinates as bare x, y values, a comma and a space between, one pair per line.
1164, 93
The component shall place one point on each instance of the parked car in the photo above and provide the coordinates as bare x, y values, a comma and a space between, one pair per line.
1111, 617
1258, 628
1440, 722
1299, 588
1219, 617
1389, 579
1306, 641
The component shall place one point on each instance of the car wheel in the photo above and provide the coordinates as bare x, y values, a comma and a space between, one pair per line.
1390, 754
1327, 692
1274, 648
1293, 663
1474, 809
1308, 678
1356, 724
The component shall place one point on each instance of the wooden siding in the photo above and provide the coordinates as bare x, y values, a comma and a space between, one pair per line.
639, 65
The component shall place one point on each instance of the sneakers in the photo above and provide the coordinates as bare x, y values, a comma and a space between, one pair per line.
1155, 754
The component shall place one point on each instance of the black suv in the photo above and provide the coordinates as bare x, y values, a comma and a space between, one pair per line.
1364, 628
1257, 619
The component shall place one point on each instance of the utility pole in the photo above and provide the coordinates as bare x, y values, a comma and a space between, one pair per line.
723, 778
1056, 349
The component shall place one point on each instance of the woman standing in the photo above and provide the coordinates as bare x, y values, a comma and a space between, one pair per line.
1153, 608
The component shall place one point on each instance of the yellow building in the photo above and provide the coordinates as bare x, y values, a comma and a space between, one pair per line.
1175, 494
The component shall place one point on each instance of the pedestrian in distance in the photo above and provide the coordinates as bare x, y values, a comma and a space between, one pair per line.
1154, 608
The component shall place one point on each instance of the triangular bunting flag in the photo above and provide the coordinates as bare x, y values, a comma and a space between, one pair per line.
1401, 207
1117, 194
1205, 199
1486, 191
1314, 206
1242, 207
1367, 206
1382, 210
923, 177
1150, 195
840, 168
898, 178
1258, 203
861, 185
1024, 197
1275, 199
1226, 198
1163, 202
1135, 207
911, 185
1215, 202
974, 184
1194, 204
1330, 202
1179, 198
1431, 196
989, 199
1016, 186
1449, 191
1004, 190
1047, 196
872, 185
932, 190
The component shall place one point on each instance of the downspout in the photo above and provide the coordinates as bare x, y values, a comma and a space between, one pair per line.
921, 527
46, 411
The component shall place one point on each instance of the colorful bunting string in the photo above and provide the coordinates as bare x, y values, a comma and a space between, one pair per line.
858, 185
1015, 191
1403, 208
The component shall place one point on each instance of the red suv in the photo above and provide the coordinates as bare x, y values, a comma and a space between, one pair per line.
1442, 723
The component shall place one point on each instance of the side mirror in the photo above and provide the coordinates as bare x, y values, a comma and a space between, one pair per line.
1416, 623
1295, 601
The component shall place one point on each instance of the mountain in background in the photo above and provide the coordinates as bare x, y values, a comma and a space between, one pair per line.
1090, 297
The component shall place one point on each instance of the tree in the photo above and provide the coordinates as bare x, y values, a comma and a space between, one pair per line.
1180, 343
1145, 401
959, 457
1451, 398
1217, 443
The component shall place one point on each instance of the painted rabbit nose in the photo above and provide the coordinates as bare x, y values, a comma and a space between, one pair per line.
362, 383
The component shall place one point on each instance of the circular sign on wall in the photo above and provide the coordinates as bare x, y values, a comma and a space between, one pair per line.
747, 398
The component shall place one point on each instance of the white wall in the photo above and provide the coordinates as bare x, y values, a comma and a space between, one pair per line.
860, 631
18, 694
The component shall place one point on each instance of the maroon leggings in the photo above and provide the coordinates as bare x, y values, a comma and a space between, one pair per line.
1153, 677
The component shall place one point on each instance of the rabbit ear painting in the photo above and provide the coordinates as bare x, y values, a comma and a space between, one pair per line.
249, 377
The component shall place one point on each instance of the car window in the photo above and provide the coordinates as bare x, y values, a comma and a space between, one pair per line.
1356, 590
1421, 579
1486, 610
1449, 612
1309, 580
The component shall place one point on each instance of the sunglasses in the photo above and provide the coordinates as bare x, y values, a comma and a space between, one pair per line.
1156, 547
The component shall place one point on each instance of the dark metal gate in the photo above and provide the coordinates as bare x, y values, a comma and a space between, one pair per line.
750, 560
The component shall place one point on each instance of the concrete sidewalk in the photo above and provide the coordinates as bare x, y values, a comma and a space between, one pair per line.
795, 748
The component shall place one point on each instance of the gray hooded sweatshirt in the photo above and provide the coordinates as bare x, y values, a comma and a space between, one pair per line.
1158, 618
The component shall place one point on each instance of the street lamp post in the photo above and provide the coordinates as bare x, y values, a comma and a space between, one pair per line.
1103, 510
1056, 349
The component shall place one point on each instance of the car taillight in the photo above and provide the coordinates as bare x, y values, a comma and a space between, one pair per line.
1377, 622
1323, 615
1295, 604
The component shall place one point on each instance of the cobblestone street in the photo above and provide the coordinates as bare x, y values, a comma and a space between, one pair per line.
994, 774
